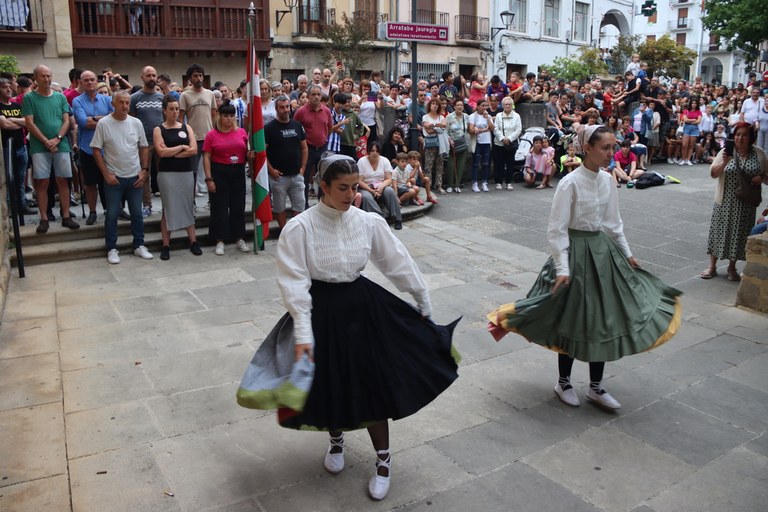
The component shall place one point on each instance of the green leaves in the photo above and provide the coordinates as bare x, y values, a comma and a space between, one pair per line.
349, 42
665, 56
581, 66
9, 64
742, 23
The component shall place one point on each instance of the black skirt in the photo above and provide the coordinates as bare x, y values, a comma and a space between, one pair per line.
376, 358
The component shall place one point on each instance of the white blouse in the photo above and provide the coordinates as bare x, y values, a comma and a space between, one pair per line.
329, 245
371, 175
587, 201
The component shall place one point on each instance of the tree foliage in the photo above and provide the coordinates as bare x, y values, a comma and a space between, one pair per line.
741, 23
349, 42
9, 64
581, 66
665, 56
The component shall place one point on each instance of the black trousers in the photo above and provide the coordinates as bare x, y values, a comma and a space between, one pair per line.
228, 202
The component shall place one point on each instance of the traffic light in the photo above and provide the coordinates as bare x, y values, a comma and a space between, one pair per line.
649, 8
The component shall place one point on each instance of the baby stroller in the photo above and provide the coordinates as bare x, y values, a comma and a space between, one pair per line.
524, 145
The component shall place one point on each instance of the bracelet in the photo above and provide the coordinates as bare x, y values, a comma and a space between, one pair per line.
208, 180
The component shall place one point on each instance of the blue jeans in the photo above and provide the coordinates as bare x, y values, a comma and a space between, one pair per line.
115, 195
759, 229
481, 159
19, 162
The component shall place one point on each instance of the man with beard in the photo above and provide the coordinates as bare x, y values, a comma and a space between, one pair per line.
88, 108
147, 107
199, 105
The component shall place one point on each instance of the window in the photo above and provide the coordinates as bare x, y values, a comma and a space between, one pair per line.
581, 22
520, 8
714, 42
682, 17
552, 18
681, 38
311, 10
650, 38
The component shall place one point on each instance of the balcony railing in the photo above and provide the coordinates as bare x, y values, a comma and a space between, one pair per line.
431, 17
680, 24
314, 18
682, 3
206, 25
22, 21
472, 28
371, 20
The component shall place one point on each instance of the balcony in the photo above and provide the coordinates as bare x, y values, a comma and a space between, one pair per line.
472, 28
21, 21
679, 24
186, 25
313, 19
371, 20
431, 17
681, 3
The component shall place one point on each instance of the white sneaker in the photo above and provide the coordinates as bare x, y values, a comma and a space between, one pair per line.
219, 251
142, 253
510, 187
334, 462
475, 188
485, 187
688, 162
242, 246
681, 162
603, 400
458, 190
113, 257
499, 187
378, 487
449, 190
670, 161
567, 396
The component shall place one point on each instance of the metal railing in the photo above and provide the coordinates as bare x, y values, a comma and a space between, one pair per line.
680, 24
372, 20
313, 21
22, 15
161, 20
432, 17
472, 28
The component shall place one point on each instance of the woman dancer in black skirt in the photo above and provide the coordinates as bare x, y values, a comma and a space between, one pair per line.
376, 356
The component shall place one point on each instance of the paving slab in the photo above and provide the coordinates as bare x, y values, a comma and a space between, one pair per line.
30, 380
683, 432
40, 431
609, 468
108, 384
704, 491
50, 494
30, 304
729, 401
750, 373
731, 349
515, 486
28, 337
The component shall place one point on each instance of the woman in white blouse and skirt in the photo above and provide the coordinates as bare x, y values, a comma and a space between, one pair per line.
376, 356
376, 185
591, 301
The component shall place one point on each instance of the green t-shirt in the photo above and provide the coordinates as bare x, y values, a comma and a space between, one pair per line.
47, 112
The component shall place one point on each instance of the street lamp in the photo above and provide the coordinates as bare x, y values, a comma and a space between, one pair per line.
279, 15
506, 18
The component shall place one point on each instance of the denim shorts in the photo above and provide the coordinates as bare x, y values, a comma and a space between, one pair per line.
287, 187
42, 162
691, 130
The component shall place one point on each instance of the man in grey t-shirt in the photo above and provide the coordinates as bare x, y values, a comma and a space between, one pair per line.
147, 107
121, 154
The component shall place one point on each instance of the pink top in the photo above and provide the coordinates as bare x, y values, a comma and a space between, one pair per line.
226, 148
475, 95
692, 114
537, 163
624, 161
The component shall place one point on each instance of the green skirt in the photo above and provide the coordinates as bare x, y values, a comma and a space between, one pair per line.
608, 311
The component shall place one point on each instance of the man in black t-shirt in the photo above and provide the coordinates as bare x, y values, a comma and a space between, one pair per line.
287, 154
12, 126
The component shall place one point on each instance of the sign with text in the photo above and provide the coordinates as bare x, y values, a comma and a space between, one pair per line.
397, 31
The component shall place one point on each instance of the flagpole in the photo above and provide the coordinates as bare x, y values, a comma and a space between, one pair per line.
252, 70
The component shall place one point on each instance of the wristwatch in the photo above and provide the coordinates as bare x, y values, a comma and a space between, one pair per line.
59, 137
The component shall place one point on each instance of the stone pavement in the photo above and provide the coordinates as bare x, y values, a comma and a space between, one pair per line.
117, 384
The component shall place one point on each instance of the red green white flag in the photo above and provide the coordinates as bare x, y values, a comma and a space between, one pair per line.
262, 209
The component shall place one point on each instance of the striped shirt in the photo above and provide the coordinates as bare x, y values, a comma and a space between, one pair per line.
334, 140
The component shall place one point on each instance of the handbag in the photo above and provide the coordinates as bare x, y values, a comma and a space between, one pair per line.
431, 141
746, 192
460, 143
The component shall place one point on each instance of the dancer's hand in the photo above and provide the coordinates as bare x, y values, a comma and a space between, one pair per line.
633, 262
560, 281
301, 349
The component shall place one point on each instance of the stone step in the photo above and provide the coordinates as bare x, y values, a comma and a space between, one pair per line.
62, 244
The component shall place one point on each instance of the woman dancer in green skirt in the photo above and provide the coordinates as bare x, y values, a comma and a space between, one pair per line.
591, 301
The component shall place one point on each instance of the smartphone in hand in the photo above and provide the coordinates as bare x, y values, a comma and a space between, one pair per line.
729, 145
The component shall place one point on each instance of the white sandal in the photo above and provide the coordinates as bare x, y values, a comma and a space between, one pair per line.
334, 462
378, 487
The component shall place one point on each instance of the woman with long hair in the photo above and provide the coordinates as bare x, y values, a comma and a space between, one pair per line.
224, 155
433, 126
176, 146
690, 119
457, 127
375, 185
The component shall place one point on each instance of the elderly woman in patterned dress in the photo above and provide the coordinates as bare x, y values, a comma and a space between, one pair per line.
732, 219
